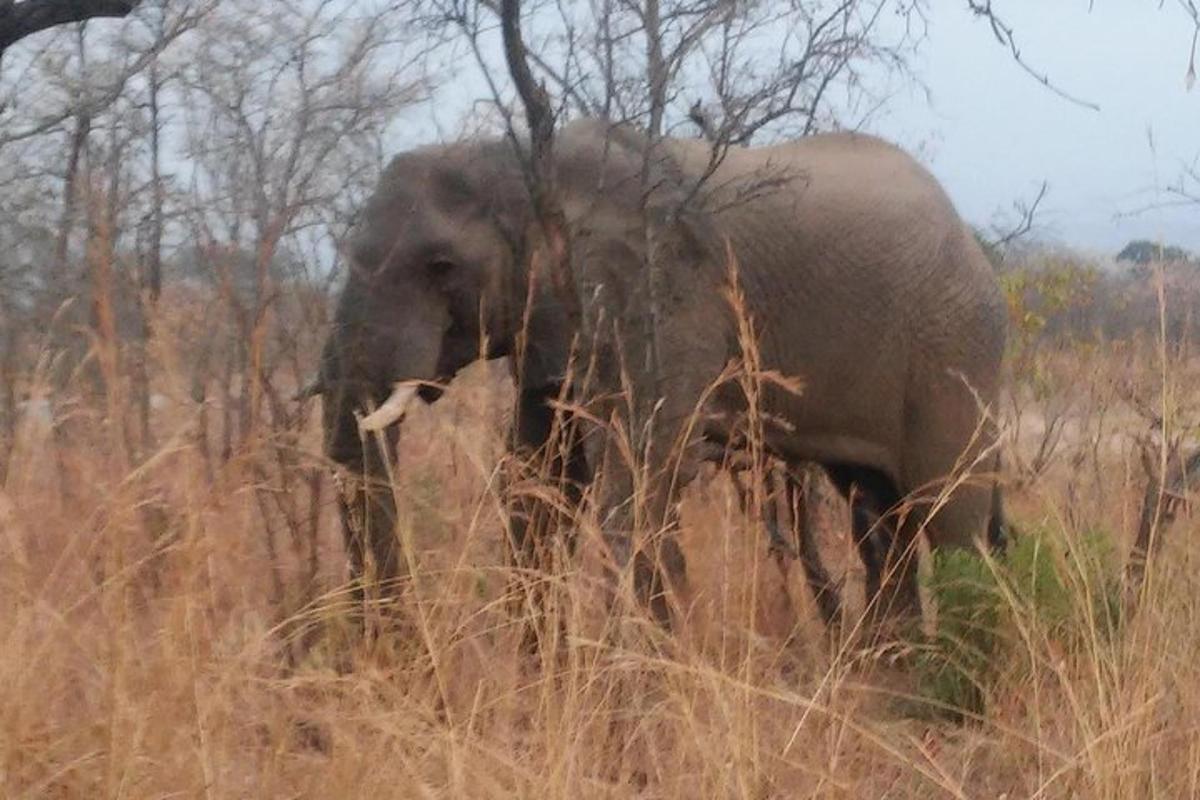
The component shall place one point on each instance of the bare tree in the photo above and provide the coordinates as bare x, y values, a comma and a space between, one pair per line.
191, 170
72, 127
50, 93
284, 113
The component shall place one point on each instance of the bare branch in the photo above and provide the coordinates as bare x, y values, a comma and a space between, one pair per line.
1193, 10
1027, 212
540, 159
100, 98
18, 20
1005, 36
700, 119
557, 77
538, 110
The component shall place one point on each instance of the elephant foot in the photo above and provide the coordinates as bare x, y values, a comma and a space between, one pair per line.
660, 572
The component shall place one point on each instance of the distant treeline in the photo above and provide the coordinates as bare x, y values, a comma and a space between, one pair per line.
1146, 290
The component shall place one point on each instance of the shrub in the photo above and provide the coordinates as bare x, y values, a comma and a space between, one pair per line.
1049, 589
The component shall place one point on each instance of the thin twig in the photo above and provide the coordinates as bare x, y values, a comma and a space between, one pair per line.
1027, 213
1005, 36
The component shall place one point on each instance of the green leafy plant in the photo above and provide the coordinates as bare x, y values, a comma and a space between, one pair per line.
1063, 588
955, 666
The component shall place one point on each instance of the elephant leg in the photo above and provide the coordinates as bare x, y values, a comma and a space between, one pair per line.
639, 512
367, 513
534, 522
885, 536
800, 491
970, 518
562, 462
949, 456
656, 397
898, 601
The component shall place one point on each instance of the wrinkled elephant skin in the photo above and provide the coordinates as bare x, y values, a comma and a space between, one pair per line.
857, 273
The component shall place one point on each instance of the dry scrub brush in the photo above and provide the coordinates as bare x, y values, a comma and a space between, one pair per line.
158, 639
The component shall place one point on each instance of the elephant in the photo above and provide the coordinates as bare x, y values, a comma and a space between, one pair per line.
867, 323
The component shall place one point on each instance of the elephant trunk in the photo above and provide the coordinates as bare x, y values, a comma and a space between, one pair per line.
385, 347
366, 504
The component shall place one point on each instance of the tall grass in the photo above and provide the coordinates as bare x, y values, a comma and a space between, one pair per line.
166, 633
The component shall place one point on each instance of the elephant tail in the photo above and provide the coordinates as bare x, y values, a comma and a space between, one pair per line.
997, 529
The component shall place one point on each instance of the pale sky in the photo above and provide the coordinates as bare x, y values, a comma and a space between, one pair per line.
992, 134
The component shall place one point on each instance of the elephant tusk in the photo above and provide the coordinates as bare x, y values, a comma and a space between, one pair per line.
392, 409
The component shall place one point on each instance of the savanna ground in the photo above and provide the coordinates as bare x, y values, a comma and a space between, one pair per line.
178, 628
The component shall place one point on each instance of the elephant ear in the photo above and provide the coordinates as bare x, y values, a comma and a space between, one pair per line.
640, 192
628, 203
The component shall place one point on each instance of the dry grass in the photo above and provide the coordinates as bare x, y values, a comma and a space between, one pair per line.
161, 636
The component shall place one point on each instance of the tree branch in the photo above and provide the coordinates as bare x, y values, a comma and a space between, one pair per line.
582, 103
1193, 10
18, 20
1027, 212
101, 97
538, 111
539, 115
1005, 36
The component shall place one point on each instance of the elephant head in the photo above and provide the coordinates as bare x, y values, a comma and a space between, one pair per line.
424, 297
436, 280
440, 276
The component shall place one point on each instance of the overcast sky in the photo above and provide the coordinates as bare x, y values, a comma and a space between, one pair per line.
991, 133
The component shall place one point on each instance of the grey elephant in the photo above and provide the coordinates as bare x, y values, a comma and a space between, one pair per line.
851, 267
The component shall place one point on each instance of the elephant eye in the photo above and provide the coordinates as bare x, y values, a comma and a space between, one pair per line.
440, 267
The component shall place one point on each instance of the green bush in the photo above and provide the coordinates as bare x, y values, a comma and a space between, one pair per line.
1053, 587
1069, 588
955, 667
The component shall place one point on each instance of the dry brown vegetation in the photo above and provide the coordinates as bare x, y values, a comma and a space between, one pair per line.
177, 628
174, 613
